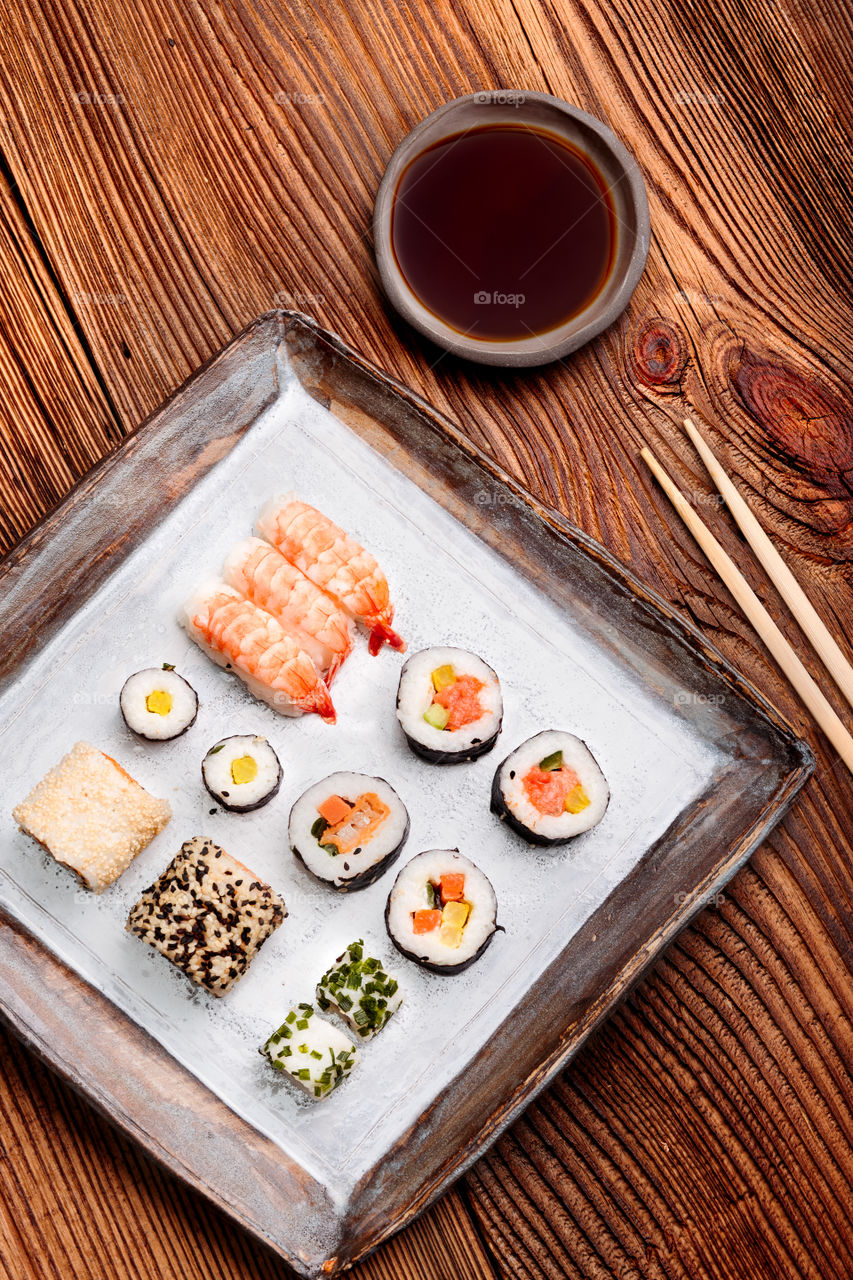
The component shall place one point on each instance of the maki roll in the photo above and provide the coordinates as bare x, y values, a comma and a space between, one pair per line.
241, 772
441, 911
348, 829
449, 705
360, 990
313, 1053
158, 704
550, 789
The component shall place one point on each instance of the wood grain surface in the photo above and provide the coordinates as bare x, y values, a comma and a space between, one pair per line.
172, 169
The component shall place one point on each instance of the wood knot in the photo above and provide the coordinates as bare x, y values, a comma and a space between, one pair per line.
658, 355
808, 422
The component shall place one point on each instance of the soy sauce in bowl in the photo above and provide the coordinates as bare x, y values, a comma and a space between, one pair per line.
503, 231
511, 227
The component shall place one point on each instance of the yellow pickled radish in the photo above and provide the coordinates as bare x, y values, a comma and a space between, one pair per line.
450, 936
159, 702
244, 769
456, 914
442, 677
577, 800
454, 917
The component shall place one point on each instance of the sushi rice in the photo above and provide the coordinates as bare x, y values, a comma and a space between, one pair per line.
311, 1051
360, 991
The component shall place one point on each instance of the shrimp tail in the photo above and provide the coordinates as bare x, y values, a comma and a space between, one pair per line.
319, 700
381, 633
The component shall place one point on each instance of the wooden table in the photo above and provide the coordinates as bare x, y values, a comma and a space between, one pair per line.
171, 170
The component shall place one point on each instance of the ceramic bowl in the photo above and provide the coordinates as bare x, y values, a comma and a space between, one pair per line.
627, 191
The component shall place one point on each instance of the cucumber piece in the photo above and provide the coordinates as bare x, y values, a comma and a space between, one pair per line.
437, 715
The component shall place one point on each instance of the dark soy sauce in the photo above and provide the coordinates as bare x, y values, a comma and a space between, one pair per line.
503, 231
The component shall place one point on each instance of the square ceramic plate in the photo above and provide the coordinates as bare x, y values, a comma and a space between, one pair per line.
700, 767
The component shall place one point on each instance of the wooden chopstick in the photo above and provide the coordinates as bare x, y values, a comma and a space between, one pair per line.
805, 687
801, 607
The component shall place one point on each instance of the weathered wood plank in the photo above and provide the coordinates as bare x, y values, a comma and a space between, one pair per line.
56, 419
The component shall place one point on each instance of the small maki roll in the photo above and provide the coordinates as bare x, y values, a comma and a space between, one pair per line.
360, 990
550, 788
242, 772
158, 704
316, 1055
449, 705
442, 911
348, 829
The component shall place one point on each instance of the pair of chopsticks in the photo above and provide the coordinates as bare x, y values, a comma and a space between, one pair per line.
782, 577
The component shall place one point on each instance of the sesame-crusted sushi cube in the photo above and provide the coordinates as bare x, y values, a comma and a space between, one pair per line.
208, 914
360, 990
91, 816
311, 1051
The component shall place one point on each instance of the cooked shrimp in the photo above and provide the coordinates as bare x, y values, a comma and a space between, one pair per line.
261, 573
236, 633
335, 562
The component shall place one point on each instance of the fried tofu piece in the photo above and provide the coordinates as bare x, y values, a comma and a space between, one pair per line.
208, 914
91, 816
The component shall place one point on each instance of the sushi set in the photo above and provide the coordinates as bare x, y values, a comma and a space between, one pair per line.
340, 818
282, 624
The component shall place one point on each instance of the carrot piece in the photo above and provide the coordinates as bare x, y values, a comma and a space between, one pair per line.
425, 921
452, 886
334, 810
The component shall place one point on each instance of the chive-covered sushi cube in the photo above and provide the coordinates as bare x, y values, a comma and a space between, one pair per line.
91, 816
311, 1051
360, 990
208, 914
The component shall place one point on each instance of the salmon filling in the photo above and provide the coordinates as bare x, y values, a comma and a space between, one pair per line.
355, 822
461, 701
554, 791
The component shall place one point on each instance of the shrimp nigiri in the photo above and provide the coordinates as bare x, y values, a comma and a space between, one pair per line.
335, 562
261, 573
235, 632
